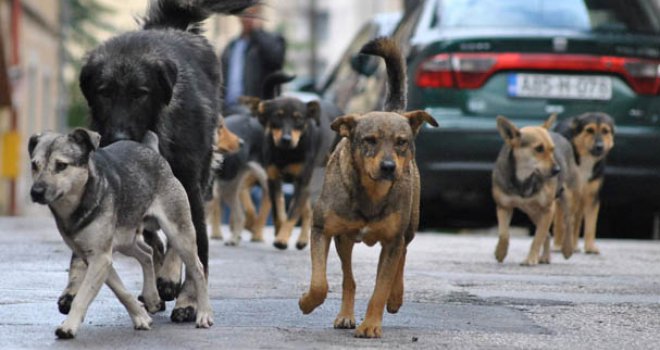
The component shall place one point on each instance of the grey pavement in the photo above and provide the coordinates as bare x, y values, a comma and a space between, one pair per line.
457, 297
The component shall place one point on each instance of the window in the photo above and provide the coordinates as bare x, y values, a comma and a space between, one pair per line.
585, 15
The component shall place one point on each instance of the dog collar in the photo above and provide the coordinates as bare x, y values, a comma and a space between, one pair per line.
88, 209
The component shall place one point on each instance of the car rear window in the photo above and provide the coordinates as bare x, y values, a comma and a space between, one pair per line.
611, 16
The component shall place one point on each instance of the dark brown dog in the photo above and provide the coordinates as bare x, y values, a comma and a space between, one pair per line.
371, 194
592, 138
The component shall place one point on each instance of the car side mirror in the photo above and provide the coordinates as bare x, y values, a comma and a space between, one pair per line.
364, 65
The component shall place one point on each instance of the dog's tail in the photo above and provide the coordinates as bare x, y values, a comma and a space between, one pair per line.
187, 15
396, 71
272, 86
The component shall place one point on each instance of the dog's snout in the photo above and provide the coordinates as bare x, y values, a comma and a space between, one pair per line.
555, 169
38, 193
286, 139
119, 136
599, 147
387, 167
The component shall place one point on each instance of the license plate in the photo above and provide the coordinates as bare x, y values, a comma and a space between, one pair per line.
577, 87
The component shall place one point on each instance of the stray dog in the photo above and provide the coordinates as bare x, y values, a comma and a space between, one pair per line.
165, 78
592, 138
297, 140
235, 178
535, 172
370, 193
101, 198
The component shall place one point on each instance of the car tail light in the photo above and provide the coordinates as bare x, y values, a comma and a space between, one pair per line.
436, 72
472, 70
644, 76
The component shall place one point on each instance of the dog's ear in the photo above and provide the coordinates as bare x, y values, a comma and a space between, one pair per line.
87, 139
314, 111
576, 126
344, 125
250, 102
550, 121
508, 131
167, 75
417, 119
260, 112
86, 79
32, 143
607, 119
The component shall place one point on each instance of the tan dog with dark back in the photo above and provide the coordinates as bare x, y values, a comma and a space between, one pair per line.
535, 172
370, 194
592, 137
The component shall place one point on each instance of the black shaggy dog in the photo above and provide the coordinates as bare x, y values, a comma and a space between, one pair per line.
165, 78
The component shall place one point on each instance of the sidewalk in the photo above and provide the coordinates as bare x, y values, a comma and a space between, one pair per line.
457, 297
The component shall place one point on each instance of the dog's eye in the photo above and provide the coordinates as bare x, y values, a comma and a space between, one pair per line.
105, 92
539, 149
590, 130
402, 142
369, 140
35, 167
139, 93
605, 131
60, 166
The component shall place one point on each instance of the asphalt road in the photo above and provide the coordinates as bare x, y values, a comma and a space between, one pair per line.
457, 297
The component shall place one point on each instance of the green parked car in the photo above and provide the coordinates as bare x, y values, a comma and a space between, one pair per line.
472, 60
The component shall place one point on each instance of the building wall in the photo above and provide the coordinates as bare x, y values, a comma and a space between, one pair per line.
36, 94
339, 20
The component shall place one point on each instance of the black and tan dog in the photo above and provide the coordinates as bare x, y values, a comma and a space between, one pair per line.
592, 138
535, 172
370, 194
297, 141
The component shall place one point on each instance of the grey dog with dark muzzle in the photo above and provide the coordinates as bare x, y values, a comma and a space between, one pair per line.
101, 199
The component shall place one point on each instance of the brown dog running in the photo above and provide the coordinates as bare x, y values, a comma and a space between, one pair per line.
370, 193
592, 138
535, 172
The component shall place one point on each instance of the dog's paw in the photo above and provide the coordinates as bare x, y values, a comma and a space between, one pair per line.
301, 245
369, 330
544, 260
181, 315
233, 242
167, 290
141, 321
280, 245
310, 301
216, 236
65, 332
530, 262
344, 322
394, 304
156, 305
257, 239
501, 250
64, 303
204, 319
592, 249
